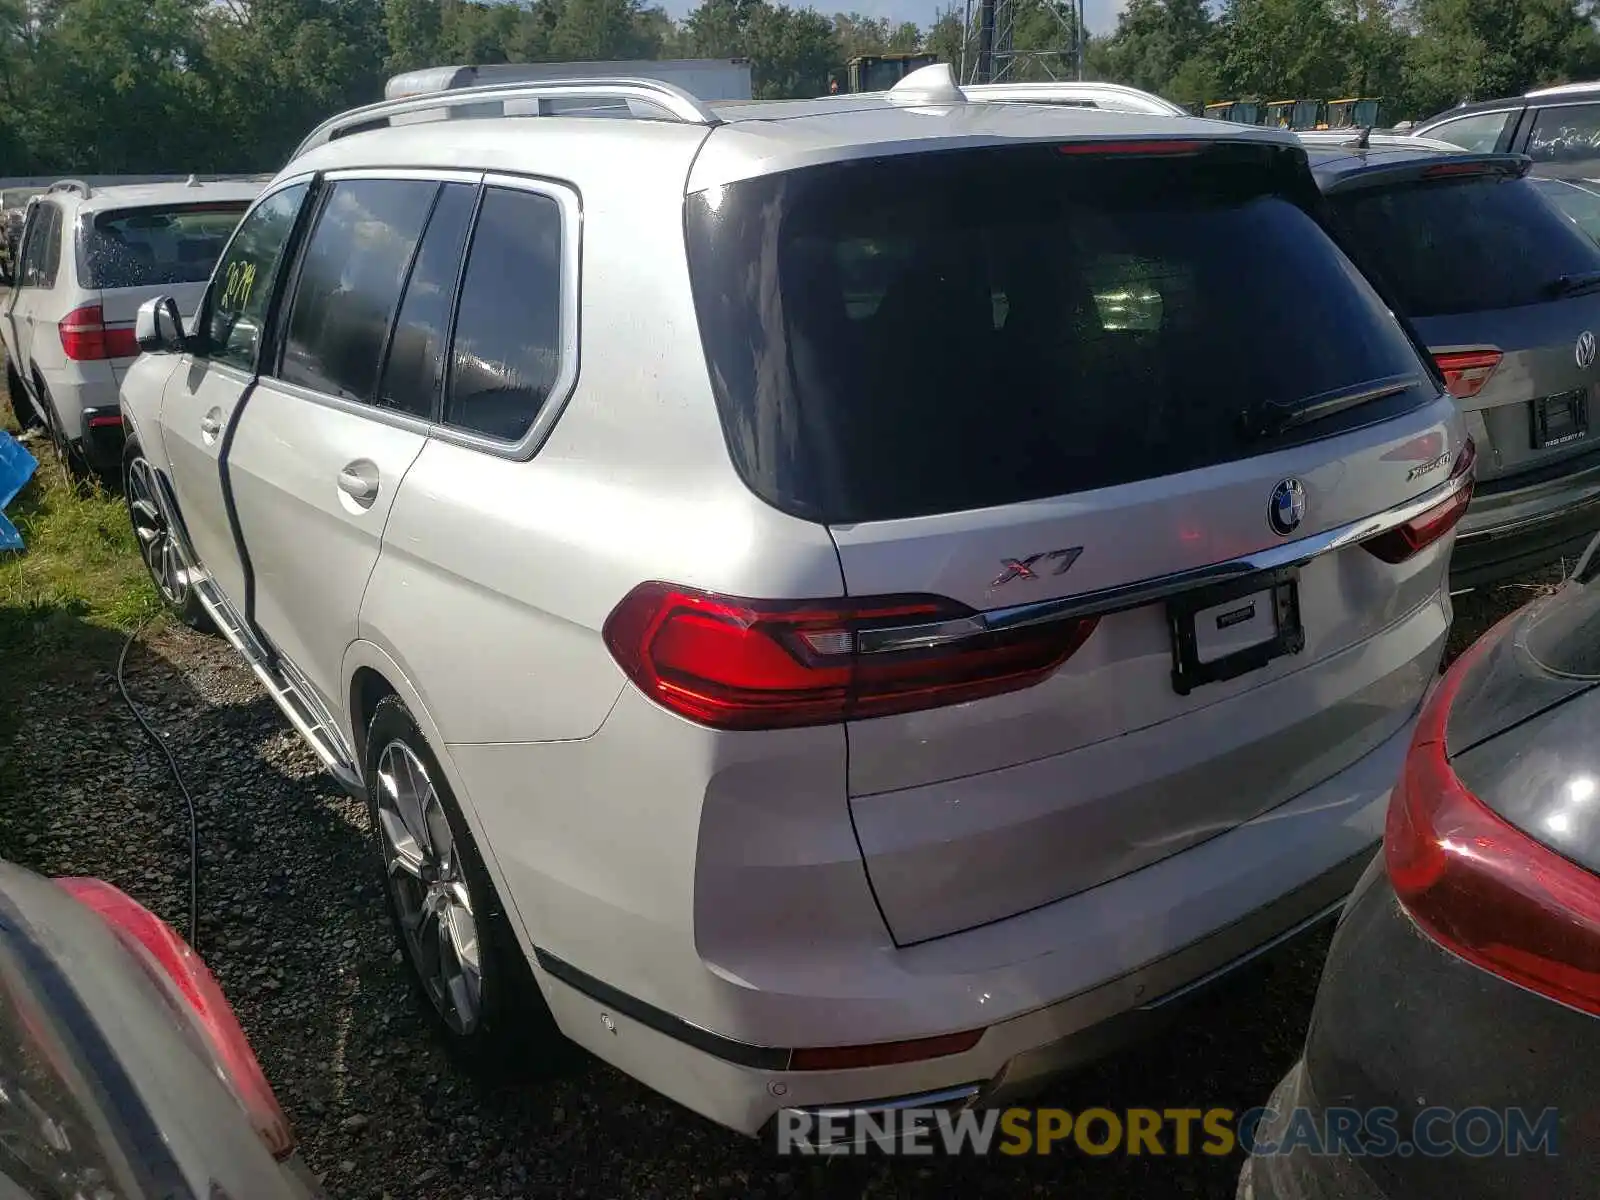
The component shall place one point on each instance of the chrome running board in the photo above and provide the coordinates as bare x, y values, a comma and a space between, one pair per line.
288, 689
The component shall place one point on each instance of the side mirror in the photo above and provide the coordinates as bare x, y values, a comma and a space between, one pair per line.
158, 328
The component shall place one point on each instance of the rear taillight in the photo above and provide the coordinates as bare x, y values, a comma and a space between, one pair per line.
1504, 167
1142, 147
1480, 887
166, 954
760, 664
1466, 371
85, 337
1400, 543
883, 1054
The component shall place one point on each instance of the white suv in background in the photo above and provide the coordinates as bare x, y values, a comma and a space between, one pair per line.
88, 257
930, 596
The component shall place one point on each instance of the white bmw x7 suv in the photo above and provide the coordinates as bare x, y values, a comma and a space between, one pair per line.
831, 603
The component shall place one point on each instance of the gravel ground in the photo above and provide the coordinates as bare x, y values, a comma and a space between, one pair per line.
294, 927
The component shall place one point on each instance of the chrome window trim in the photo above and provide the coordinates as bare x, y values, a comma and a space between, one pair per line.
1148, 591
566, 381
425, 174
202, 314
1590, 102
1426, 130
355, 408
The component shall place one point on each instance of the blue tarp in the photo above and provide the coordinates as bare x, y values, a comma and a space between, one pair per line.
16, 468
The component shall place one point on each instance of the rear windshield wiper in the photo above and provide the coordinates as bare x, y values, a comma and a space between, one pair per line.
1270, 419
1574, 285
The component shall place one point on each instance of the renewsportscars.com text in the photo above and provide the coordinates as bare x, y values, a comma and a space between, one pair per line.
1179, 1132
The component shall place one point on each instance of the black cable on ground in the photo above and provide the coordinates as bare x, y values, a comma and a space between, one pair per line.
177, 776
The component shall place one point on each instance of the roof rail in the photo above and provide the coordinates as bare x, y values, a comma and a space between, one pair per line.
673, 101
71, 185
1564, 89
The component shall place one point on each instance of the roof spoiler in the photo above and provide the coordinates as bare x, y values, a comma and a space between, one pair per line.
1424, 168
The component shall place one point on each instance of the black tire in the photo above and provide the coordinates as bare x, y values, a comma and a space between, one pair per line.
156, 541
511, 1029
72, 462
21, 407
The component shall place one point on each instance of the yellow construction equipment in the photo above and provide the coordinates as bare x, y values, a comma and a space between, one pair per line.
1293, 114
1243, 112
1356, 113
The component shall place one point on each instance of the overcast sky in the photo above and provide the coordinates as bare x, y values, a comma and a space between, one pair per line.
1099, 15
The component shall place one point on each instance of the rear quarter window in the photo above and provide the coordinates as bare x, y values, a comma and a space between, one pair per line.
152, 247
1467, 244
951, 331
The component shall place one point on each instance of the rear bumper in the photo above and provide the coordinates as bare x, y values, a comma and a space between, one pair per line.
103, 438
1052, 989
1511, 530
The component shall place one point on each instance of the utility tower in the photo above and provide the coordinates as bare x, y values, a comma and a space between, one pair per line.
989, 53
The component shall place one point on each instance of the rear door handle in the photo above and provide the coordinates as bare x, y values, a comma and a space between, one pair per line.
359, 481
210, 426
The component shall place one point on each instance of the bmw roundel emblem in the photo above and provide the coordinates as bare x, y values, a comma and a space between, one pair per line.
1287, 508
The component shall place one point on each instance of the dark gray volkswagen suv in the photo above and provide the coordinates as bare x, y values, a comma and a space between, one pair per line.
1505, 291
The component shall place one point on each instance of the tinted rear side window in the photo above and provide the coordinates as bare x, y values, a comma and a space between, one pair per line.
421, 337
507, 349
355, 265
149, 247
1465, 245
951, 331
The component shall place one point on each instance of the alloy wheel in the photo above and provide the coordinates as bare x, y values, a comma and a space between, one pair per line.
157, 546
427, 879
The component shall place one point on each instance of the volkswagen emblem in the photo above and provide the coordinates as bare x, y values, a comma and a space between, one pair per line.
1584, 350
1287, 508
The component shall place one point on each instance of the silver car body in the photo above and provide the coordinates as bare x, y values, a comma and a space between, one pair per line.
50, 284
698, 903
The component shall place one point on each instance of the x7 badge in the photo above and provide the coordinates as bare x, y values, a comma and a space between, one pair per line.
1023, 568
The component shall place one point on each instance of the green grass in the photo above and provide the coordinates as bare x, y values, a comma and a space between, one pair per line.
77, 583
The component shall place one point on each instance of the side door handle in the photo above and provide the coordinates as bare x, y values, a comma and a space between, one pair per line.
359, 481
210, 426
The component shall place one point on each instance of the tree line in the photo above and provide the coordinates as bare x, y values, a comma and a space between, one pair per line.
143, 86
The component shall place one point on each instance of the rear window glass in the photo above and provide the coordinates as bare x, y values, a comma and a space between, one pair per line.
149, 247
942, 332
1466, 245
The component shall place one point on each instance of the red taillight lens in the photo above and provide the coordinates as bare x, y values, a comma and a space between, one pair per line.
1480, 887
1401, 542
85, 337
882, 1054
121, 342
1466, 371
760, 664
160, 948
1150, 146
1454, 170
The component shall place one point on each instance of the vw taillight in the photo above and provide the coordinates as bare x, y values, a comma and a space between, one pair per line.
1466, 371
